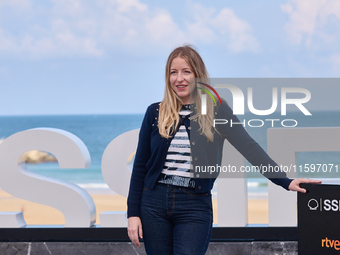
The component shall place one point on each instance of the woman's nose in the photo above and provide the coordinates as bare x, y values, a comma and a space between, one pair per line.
180, 76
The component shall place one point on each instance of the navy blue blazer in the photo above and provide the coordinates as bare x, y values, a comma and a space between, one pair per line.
152, 151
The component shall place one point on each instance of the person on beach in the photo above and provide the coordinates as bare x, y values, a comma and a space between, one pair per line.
169, 207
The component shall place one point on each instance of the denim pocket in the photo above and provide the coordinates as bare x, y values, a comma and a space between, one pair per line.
192, 193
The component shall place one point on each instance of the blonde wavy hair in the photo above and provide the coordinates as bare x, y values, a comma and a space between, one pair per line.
172, 104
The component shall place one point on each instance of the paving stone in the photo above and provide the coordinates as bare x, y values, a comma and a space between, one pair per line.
14, 248
81, 248
235, 248
124, 248
275, 248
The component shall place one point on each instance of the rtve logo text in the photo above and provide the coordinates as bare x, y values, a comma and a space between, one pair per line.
239, 105
329, 243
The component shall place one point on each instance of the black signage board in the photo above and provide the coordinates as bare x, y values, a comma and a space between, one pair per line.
319, 219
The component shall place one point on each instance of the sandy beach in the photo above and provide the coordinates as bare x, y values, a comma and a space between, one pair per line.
37, 214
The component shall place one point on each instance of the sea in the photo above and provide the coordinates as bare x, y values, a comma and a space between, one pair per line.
97, 131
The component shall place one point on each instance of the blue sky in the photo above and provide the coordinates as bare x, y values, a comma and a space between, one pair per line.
108, 56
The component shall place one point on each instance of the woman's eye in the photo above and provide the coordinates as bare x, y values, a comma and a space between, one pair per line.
172, 72
188, 72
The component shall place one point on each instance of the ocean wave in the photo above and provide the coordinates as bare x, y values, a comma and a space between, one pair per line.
93, 185
253, 184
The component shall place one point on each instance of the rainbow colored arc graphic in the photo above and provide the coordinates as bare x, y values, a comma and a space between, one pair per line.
209, 93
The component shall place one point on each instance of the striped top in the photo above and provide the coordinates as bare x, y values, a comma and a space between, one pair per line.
176, 170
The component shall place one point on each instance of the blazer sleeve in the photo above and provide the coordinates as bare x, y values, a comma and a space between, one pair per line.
139, 167
247, 146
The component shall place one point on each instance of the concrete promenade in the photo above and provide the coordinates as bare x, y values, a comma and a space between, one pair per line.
124, 248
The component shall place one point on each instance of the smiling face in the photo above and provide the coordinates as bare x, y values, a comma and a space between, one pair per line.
180, 75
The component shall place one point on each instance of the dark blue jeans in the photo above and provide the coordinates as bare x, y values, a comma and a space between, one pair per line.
175, 220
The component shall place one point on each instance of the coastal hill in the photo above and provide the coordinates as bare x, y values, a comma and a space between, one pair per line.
35, 156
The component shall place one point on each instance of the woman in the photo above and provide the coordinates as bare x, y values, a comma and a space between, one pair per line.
168, 206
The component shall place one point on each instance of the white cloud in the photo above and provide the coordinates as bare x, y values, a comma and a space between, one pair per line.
126, 6
224, 27
162, 28
18, 4
5, 42
239, 31
312, 20
335, 59
95, 28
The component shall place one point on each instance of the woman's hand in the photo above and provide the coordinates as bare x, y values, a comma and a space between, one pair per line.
295, 184
135, 230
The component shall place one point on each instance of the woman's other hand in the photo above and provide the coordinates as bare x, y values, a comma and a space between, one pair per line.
295, 184
135, 230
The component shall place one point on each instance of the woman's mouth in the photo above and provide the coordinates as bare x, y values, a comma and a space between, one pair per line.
181, 86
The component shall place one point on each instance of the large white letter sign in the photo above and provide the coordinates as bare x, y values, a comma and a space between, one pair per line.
116, 173
232, 200
73, 202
